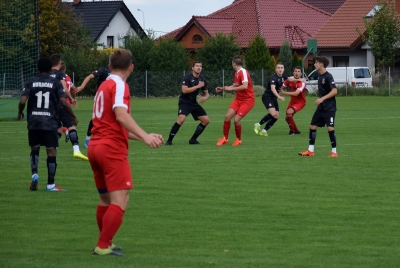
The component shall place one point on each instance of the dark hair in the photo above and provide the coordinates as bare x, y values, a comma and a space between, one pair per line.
121, 59
237, 60
55, 59
63, 67
279, 63
322, 60
297, 67
194, 63
44, 65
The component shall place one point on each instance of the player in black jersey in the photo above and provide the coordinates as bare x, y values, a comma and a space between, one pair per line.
326, 110
191, 86
102, 75
270, 99
65, 118
44, 95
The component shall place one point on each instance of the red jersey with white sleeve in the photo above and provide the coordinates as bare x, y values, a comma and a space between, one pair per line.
69, 83
242, 76
112, 93
301, 98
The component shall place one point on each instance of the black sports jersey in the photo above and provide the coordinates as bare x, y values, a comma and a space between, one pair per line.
190, 81
59, 75
102, 74
325, 85
44, 93
277, 81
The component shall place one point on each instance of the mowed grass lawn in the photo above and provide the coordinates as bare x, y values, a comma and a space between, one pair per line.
257, 205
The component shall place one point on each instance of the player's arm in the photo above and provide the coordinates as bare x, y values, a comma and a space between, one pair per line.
67, 91
243, 86
187, 90
292, 79
327, 96
273, 90
204, 97
136, 132
21, 107
84, 83
299, 89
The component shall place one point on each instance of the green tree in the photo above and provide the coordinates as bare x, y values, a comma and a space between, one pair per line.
140, 49
218, 51
168, 55
296, 60
285, 56
382, 33
257, 55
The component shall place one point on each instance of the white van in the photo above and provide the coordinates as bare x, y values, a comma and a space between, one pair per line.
350, 76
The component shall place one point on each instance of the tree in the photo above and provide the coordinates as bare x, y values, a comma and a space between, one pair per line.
382, 33
218, 51
285, 56
296, 60
168, 55
257, 55
140, 49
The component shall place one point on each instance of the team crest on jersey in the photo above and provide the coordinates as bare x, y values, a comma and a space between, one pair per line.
323, 81
270, 105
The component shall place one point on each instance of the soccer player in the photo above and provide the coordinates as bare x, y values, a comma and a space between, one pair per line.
191, 85
43, 93
108, 150
102, 75
241, 105
65, 118
326, 110
297, 99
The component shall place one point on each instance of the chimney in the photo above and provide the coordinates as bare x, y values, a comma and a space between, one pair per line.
76, 2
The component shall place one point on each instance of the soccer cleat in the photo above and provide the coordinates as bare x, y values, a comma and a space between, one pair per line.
237, 142
106, 252
263, 133
332, 154
168, 143
34, 183
257, 128
79, 155
115, 247
87, 144
193, 142
222, 141
297, 132
291, 133
306, 153
56, 188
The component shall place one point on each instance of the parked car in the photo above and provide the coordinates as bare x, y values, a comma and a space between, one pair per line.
350, 76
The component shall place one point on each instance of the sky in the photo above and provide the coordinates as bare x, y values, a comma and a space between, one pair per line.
163, 16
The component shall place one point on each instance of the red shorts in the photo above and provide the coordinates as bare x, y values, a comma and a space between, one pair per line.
242, 107
111, 169
296, 106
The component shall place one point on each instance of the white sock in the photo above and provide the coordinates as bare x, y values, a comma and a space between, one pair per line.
50, 186
76, 148
311, 148
334, 150
88, 138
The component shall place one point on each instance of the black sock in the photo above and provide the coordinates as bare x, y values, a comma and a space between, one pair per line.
174, 130
200, 128
332, 137
73, 136
59, 135
89, 129
34, 161
312, 136
51, 169
270, 123
265, 119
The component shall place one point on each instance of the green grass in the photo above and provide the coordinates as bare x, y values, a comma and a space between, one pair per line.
257, 205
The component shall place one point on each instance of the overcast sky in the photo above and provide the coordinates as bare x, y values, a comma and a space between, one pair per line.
168, 15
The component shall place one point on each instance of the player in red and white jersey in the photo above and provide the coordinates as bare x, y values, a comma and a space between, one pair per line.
241, 105
69, 84
108, 150
297, 102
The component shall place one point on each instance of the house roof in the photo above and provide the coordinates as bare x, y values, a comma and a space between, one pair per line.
97, 15
340, 30
330, 6
273, 20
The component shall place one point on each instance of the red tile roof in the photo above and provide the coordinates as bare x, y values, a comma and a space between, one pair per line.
329, 6
340, 31
274, 20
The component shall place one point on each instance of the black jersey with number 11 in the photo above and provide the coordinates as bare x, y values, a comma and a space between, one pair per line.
44, 93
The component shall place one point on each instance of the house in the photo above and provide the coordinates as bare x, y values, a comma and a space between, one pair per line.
108, 21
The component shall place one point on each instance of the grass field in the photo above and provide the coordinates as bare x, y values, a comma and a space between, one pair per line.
257, 205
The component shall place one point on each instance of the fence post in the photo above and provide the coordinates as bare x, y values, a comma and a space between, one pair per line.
223, 83
4, 83
389, 81
347, 80
73, 77
146, 84
262, 81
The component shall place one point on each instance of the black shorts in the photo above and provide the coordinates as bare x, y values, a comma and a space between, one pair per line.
40, 137
323, 118
65, 118
270, 102
191, 108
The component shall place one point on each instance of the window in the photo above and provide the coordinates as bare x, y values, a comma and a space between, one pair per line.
197, 39
362, 73
110, 41
340, 61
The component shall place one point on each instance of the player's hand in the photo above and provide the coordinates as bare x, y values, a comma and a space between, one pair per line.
203, 99
76, 90
75, 121
200, 84
282, 91
319, 101
281, 98
20, 116
219, 89
154, 140
75, 104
